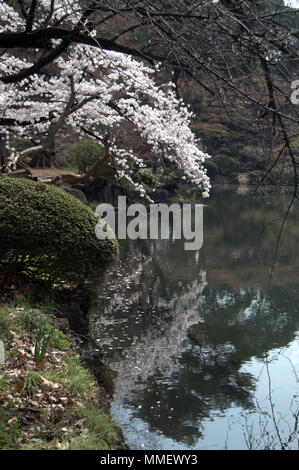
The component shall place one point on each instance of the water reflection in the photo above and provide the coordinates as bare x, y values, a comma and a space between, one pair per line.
182, 329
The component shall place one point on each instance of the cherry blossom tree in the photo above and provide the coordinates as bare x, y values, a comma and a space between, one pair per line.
93, 91
226, 46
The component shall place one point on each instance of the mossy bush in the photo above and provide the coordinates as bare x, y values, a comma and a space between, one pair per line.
49, 235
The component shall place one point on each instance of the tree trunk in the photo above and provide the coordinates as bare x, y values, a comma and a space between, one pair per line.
44, 159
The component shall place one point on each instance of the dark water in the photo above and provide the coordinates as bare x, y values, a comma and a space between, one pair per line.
204, 349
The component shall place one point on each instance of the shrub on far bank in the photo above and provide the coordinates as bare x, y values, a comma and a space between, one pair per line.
226, 165
84, 153
212, 168
49, 235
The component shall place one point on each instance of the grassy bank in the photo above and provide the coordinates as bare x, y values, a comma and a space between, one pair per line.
48, 399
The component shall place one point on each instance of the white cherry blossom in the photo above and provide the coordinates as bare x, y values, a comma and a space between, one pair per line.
109, 88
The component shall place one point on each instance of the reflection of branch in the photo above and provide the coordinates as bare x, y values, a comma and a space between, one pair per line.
280, 234
294, 432
272, 407
292, 365
263, 437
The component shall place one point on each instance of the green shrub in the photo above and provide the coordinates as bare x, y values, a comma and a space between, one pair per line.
147, 177
49, 235
107, 172
226, 165
84, 153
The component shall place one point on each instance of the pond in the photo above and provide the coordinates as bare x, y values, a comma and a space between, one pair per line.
203, 347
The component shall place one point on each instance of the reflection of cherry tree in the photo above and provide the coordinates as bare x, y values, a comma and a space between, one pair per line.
157, 347
160, 347
145, 335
